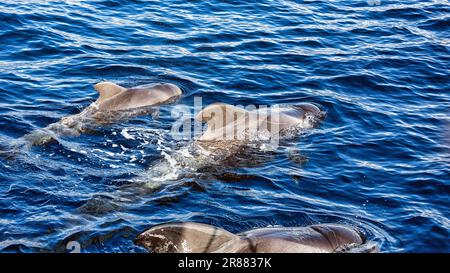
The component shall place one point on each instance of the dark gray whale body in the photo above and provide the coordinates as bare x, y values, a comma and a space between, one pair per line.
115, 102
200, 238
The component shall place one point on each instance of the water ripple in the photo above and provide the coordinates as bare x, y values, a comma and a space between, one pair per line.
379, 161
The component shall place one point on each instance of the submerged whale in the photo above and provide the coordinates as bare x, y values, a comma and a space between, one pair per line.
201, 238
114, 102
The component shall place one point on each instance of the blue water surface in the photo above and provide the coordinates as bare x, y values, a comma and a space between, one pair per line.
379, 161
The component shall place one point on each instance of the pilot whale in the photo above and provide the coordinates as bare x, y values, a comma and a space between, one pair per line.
231, 131
114, 102
191, 237
228, 122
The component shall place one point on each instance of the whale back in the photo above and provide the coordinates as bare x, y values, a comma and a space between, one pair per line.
116, 98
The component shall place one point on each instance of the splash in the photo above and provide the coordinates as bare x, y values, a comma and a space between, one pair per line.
190, 158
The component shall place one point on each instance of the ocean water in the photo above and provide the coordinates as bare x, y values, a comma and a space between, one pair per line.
379, 161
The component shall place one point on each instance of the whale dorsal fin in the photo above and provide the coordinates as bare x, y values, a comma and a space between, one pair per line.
222, 120
185, 237
108, 90
220, 114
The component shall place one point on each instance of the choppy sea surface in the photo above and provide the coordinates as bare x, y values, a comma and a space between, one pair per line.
379, 161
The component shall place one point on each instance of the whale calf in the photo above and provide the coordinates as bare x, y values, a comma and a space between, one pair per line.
115, 97
114, 102
191, 237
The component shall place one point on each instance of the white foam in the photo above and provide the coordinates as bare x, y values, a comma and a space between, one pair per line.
126, 135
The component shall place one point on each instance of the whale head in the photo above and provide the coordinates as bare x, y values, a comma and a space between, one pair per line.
184, 238
309, 114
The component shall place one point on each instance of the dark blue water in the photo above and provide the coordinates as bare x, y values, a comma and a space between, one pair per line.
379, 161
